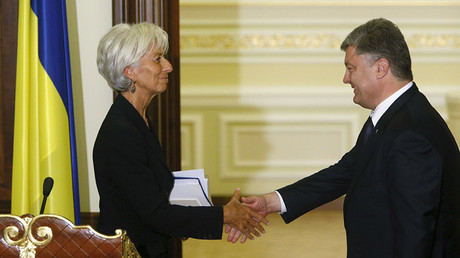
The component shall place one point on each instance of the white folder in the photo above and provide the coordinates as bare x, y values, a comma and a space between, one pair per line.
190, 188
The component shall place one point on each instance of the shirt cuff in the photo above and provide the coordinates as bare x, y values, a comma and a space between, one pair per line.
283, 206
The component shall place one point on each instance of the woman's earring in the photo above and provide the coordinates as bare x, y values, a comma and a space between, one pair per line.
133, 89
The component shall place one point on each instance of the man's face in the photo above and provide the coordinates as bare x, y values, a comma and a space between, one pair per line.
361, 75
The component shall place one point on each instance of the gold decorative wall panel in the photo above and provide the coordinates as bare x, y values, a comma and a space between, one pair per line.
232, 42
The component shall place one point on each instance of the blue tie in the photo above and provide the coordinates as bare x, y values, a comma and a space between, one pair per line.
368, 127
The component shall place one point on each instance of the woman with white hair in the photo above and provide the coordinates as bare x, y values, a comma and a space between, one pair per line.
133, 179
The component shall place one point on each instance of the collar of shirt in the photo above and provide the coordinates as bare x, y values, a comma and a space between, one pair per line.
383, 107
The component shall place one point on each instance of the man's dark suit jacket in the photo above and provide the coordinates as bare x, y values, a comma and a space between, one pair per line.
134, 185
402, 187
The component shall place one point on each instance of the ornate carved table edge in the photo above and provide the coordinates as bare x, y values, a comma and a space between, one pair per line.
29, 236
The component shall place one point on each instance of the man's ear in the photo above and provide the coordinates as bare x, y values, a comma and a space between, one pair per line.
129, 72
383, 67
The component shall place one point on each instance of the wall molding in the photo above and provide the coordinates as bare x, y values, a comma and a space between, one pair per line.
233, 126
307, 41
300, 31
290, 97
429, 47
319, 3
318, 111
192, 141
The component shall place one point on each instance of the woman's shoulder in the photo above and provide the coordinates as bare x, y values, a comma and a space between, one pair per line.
118, 128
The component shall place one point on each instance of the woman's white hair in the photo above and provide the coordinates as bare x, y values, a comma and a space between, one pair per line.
124, 45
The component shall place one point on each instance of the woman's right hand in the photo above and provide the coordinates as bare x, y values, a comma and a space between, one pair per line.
242, 218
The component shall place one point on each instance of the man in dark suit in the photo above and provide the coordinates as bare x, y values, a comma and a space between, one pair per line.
402, 178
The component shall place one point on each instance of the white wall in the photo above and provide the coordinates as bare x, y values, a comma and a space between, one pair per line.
88, 20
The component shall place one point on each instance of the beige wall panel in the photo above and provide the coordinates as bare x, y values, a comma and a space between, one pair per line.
261, 140
282, 145
266, 79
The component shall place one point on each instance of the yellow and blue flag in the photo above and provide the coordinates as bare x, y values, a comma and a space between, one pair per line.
44, 131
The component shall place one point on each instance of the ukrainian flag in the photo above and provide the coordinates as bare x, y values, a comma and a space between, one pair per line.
44, 134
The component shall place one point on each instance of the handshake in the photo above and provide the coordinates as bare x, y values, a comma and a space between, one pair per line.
244, 218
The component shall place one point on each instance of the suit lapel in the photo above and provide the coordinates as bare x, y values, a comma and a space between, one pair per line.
362, 155
364, 151
136, 119
155, 143
395, 107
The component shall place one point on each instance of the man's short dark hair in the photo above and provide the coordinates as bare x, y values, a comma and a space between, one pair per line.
381, 38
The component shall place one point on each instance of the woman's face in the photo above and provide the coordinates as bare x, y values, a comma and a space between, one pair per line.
151, 72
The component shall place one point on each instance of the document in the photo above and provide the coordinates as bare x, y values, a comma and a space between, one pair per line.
190, 188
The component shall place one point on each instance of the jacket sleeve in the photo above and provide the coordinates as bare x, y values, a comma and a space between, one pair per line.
124, 162
317, 189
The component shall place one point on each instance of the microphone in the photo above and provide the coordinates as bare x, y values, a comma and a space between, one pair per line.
47, 186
